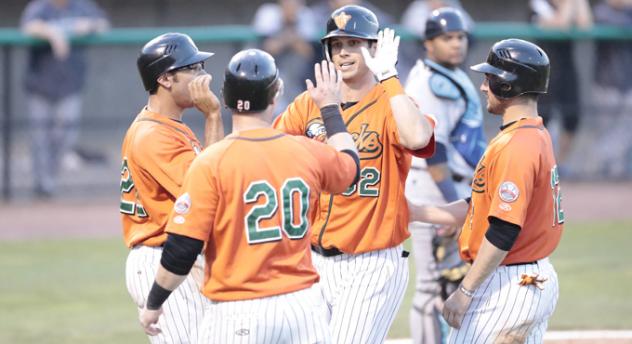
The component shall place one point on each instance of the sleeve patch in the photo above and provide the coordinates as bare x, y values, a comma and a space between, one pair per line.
508, 192
183, 204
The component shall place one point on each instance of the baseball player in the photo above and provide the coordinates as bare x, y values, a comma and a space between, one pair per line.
357, 241
442, 89
514, 220
157, 150
251, 199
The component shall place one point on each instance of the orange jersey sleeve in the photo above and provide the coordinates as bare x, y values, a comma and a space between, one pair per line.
294, 119
517, 181
251, 198
335, 180
156, 154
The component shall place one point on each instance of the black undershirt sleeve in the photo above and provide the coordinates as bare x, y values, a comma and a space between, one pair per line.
502, 234
180, 253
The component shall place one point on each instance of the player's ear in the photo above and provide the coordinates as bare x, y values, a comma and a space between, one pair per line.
165, 80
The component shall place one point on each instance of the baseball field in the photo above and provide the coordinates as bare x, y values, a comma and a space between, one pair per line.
63, 270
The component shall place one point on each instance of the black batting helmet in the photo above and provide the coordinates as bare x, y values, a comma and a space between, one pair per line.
165, 53
251, 81
516, 67
443, 20
350, 21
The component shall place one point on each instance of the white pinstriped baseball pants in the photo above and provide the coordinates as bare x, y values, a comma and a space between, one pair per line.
293, 318
363, 293
184, 309
502, 311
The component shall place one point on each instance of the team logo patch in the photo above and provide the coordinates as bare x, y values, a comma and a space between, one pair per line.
508, 192
368, 142
179, 219
504, 206
316, 130
183, 204
341, 20
478, 182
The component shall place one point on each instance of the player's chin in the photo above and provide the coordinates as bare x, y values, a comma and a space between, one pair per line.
347, 73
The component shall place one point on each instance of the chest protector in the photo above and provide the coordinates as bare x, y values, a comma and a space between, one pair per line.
467, 137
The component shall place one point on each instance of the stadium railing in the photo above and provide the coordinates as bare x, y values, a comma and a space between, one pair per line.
11, 37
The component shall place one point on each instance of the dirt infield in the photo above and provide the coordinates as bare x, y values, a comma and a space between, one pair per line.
100, 217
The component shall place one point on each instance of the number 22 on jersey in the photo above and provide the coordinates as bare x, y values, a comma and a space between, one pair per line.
293, 228
127, 185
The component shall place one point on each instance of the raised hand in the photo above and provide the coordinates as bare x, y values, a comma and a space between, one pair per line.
383, 63
203, 98
327, 89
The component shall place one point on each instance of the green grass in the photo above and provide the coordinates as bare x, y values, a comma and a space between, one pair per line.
595, 274
70, 291
73, 291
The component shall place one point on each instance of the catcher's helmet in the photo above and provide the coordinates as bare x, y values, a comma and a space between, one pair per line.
516, 67
350, 21
165, 53
442, 20
251, 81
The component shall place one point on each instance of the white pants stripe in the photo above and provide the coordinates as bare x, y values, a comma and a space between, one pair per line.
298, 317
502, 311
184, 309
363, 293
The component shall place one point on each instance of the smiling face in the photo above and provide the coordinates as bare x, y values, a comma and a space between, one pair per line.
347, 56
448, 49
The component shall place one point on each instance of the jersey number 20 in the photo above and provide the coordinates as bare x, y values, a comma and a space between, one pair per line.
293, 228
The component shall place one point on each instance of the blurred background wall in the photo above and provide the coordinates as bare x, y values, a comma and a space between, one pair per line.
113, 94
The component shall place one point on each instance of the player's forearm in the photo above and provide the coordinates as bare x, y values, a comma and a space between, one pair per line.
167, 279
488, 259
584, 18
164, 284
342, 141
413, 127
41, 29
213, 128
452, 214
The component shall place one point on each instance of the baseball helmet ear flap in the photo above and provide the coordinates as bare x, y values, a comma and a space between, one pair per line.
516, 67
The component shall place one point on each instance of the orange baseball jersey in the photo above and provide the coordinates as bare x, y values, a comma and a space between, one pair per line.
157, 151
372, 214
517, 181
251, 198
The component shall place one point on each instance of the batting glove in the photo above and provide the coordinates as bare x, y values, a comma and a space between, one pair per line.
383, 63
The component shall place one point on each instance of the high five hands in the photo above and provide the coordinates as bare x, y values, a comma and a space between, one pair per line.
385, 59
328, 81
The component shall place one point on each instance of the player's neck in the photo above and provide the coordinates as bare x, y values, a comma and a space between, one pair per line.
515, 112
250, 122
164, 107
354, 90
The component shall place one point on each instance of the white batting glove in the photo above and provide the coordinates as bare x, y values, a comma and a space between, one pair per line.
383, 63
